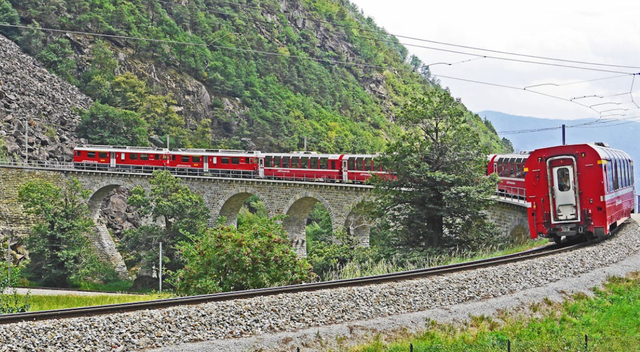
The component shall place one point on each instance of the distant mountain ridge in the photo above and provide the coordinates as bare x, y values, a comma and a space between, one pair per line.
624, 135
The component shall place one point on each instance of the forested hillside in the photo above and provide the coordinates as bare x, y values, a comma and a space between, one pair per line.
244, 74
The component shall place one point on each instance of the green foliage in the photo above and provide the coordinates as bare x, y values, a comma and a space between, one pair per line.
59, 57
61, 254
228, 259
10, 16
103, 124
179, 213
10, 300
281, 98
440, 186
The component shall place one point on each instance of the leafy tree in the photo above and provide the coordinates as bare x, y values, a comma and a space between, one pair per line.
179, 213
59, 57
229, 259
103, 124
440, 186
10, 16
60, 252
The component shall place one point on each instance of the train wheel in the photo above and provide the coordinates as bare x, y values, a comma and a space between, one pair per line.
557, 239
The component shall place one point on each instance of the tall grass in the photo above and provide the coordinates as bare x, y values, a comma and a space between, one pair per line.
48, 302
372, 267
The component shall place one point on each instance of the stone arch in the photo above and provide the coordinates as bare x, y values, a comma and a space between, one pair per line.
102, 239
357, 224
295, 223
231, 206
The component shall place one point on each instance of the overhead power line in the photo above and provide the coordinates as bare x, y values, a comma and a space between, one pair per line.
166, 41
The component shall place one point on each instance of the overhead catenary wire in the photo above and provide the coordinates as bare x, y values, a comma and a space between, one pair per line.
166, 41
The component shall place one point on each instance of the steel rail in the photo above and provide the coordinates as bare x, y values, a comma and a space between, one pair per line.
227, 296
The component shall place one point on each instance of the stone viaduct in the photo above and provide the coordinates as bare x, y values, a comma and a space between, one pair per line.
225, 197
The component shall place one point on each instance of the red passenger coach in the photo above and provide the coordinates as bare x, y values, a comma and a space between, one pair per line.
578, 190
510, 169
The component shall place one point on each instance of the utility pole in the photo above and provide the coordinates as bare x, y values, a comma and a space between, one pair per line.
26, 141
160, 269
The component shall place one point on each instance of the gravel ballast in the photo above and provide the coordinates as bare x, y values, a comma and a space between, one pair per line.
314, 321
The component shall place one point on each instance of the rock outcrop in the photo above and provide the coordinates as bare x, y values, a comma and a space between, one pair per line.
47, 107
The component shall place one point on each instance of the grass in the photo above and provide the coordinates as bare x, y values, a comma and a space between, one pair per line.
611, 319
354, 269
42, 302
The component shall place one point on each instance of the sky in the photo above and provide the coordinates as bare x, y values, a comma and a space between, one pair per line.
586, 31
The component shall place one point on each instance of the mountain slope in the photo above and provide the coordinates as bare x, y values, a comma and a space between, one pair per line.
265, 75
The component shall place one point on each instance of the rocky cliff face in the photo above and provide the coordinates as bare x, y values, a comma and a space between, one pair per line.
47, 105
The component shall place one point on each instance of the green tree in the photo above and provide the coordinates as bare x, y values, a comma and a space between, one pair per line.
178, 212
60, 253
440, 186
58, 56
10, 16
103, 124
230, 259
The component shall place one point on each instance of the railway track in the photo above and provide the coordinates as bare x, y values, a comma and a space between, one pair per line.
225, 296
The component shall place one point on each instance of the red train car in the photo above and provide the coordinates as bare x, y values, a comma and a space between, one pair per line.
510, 169
303, 166
100, 157
578, 190
215, 162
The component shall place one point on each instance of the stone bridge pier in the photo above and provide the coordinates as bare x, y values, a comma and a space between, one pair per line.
510, 216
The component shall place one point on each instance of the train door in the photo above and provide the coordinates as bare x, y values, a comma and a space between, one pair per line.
113, 159
564, 193
205, 164
345, 170
261, 167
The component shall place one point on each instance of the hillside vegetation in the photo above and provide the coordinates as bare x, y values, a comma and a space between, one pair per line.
265, 75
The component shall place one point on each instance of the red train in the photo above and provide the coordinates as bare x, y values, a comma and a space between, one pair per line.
581, 190
302, 166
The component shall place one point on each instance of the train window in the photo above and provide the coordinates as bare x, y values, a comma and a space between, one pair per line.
91, 154
102, 155
286, 161
144, 156
196, 159
614, 166
224, 160
184, 159
277, 161
78, 153
157, 156
235, 161
133, 156
295, 162
351, 164
173, 158
367, 164
324, 163
304, 163
314, 163
564, 184
333, 165
610, 176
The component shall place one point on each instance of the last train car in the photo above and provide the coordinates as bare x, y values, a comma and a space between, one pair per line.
581, 190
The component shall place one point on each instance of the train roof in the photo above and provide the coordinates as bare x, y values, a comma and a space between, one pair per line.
304, 154
603, 150
109, 148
